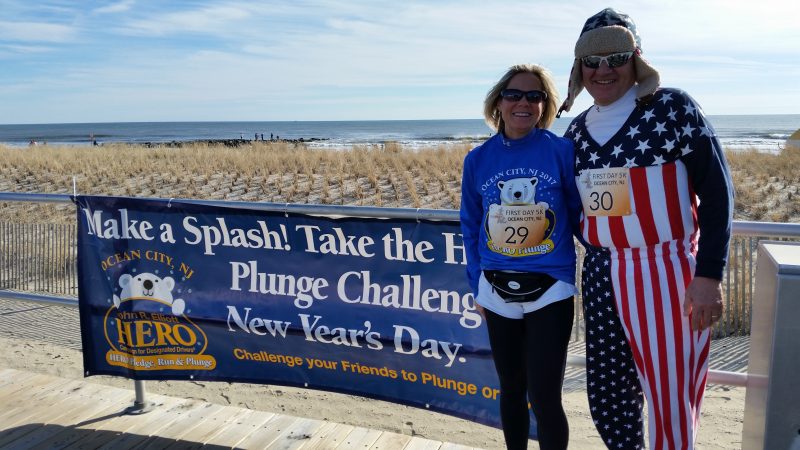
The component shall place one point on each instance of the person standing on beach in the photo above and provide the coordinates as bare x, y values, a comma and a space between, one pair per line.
657, 211
519, 208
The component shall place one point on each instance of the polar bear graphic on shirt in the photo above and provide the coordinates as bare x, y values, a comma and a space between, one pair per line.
519, 191
517, 226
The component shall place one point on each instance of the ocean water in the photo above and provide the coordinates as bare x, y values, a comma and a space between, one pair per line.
761, 132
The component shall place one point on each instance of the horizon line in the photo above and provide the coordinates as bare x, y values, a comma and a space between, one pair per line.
331, 121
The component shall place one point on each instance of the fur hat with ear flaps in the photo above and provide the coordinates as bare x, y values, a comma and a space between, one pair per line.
610, 31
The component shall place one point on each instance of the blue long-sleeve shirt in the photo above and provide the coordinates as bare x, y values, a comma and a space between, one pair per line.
520, 206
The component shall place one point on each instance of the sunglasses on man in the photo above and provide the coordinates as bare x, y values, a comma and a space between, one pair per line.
613, 60
515, 95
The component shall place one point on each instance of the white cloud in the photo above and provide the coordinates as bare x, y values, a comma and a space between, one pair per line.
115, 8
26, 48
36, 32
214, 20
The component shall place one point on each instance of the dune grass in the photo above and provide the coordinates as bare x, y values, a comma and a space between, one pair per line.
379, 175
767, 185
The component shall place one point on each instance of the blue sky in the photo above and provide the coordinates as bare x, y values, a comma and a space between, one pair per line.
129, 60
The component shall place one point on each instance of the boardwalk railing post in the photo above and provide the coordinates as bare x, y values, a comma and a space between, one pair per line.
772, 401
140, 405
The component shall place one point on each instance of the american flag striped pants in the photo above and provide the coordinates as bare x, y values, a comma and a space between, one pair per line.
639, 343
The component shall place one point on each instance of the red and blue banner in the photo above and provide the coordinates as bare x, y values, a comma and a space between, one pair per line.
372, 307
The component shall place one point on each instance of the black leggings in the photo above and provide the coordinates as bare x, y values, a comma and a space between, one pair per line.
530, 355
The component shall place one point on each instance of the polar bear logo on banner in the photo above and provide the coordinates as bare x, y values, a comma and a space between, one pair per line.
150, 286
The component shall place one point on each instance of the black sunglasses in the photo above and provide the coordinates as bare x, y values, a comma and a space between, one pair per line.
515, 95
613, 60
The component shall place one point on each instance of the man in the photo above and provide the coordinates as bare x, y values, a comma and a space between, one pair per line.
656, 222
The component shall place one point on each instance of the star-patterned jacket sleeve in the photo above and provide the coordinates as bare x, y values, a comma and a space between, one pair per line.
571, 194
711, 181
471, 219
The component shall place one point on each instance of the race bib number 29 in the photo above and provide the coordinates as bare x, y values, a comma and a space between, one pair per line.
605, 192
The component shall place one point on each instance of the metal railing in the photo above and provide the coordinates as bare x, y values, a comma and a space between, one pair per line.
42, 258
39, 257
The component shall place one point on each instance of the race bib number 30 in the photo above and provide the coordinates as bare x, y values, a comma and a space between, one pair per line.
605, 192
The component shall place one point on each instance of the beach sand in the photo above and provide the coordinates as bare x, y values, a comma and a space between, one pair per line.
46, 339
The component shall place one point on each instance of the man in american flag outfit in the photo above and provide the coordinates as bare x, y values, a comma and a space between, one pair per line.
656, 221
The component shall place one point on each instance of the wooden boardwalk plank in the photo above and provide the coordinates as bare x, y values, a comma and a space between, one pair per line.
359, 438
114, 428
390, 440
211, 427
33, 412
6, 376
328, 436
148, 426
268, 432
295, 435
42, 404
452, 446
44, 397
73, 416
45, 412
185, 424
240, 429
418, 443
13, 385
76, 413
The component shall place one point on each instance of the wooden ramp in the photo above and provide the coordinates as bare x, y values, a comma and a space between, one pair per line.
46, 412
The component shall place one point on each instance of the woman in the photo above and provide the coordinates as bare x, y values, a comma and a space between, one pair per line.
519, 206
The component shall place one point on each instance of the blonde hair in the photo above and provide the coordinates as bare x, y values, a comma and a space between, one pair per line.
492, 115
